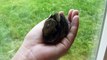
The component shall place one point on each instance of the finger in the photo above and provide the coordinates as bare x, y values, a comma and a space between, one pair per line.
75, 12
67, 42
73, 31
70, 14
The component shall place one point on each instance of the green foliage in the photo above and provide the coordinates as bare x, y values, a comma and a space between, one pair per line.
17, 17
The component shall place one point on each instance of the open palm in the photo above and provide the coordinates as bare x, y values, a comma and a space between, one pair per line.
33, 47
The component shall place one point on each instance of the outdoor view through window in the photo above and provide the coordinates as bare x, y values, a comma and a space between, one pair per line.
17, 18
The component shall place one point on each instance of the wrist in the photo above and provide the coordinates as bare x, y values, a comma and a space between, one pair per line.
21, 54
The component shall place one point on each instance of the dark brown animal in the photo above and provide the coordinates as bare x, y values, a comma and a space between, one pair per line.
55, 29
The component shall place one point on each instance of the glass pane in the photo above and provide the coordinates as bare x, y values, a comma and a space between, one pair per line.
17, 17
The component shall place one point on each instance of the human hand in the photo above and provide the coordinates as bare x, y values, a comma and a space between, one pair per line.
33, 47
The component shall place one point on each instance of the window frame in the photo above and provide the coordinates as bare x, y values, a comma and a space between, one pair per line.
103, 42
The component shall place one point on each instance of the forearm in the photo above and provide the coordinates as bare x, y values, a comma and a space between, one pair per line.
25, 54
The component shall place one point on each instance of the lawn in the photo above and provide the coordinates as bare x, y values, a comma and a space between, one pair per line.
17, 17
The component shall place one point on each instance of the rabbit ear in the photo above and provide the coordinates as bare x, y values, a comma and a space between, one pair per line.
57, 17
51, 16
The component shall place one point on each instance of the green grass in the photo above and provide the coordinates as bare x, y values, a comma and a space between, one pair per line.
17, 17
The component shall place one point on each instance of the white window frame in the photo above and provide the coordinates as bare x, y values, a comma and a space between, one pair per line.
103, 41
